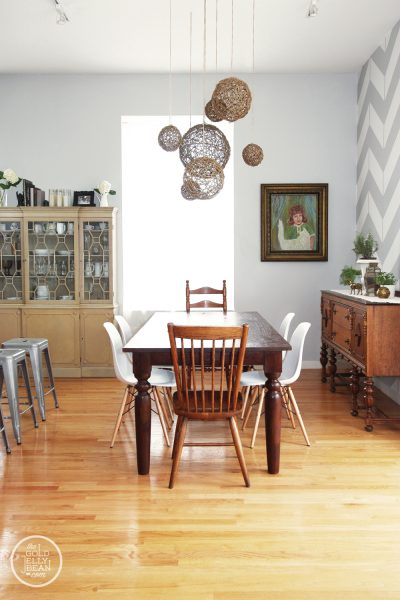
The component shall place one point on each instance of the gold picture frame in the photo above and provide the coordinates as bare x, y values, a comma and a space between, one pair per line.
294, 222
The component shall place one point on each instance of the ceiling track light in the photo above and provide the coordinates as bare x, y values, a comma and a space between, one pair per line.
313, 9
62, 16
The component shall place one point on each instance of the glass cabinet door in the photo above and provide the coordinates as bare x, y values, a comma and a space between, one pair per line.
51, 246
10, 261
96, 260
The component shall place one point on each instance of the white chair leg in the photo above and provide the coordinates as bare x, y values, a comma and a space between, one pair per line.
168, 397
161, 415
298, 415
260, 407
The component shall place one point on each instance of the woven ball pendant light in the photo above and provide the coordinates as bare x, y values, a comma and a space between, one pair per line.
206, 175
170, 138
190, 190
252, 155
211, 114
204, 141
231, 99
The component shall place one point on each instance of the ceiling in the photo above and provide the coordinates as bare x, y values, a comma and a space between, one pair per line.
132, 36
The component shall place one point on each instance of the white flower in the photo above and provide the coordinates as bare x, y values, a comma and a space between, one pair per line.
104, 187
11, 177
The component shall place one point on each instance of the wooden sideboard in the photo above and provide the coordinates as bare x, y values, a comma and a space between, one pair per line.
365, 332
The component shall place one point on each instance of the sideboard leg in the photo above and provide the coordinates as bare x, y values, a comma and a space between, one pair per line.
369, 402
324, 361
333, 369
355, 388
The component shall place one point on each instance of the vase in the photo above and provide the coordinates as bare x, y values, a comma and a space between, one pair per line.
103, 200
3, 198
383, 292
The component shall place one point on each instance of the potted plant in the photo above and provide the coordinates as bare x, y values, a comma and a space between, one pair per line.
365, 247
348, 275
387, 281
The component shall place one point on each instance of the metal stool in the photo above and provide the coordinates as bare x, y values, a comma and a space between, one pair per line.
3, 431
10, 359
35, 347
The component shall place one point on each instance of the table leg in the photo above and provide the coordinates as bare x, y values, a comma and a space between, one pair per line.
333, 369
369, 401
355, 388
273, 404
324, 361
142, 372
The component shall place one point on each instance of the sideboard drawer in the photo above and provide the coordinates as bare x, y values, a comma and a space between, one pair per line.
341, 316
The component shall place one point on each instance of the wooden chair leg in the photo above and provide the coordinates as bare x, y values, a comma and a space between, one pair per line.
177, 430
257, 421
253, 399
180, 438
120, 413
246, 397
161, 415
286, 402
298, 415
239, 449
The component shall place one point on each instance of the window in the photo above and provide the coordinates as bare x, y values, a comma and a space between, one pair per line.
167, 239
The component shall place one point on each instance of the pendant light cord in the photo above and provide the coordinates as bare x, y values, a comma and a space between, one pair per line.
170, 64
232, 39
253, 66
190, 70
204, 62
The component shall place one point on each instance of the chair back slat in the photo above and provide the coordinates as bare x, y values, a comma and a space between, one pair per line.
214, 357
206, 303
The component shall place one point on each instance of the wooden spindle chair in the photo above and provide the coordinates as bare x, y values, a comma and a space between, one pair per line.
215, 355
206, 303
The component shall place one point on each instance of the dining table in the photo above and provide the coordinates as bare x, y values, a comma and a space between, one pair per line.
150, 347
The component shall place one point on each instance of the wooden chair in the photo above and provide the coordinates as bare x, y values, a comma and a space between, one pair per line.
213, 394
206, 303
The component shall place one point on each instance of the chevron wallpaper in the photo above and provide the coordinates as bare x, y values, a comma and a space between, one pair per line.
378, 167
378, 139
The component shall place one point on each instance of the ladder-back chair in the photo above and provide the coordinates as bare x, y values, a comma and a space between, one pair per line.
215, 355
206, 303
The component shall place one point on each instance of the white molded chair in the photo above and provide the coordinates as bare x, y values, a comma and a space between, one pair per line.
124, 328
283, 331
126, 334
123, 371
290, 373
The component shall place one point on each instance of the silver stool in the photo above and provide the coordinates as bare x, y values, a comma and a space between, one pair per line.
10, 359
3, 431
35, 347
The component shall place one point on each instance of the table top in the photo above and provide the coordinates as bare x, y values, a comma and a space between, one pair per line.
153, 336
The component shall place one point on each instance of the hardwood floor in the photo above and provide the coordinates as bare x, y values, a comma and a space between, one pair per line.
326, 527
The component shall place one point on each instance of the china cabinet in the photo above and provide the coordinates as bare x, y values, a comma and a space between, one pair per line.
365, 332
57, 280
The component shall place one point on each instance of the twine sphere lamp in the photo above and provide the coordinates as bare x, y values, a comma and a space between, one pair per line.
211, 114
190, 190
204, 141
231, 99
253, 155
204, 174
170, 138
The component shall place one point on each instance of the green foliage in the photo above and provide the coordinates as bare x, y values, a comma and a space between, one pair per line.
385, 278
365, 247
348, 275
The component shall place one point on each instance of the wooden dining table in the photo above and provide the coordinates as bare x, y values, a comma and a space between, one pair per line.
150, 347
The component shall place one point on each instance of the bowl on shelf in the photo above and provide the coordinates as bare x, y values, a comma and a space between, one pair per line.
66, 297
62, 252
41, 251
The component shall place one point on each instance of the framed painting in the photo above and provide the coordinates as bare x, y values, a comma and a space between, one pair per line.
84, 198
294, 222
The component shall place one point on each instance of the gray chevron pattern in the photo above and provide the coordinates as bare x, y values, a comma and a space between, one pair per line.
378, 141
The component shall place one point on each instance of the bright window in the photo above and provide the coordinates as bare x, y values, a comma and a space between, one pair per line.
167, 239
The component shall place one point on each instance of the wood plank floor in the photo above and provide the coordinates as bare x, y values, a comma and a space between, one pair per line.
327, 527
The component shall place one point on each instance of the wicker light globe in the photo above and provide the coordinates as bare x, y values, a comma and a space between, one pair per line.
204, 141
231, 99
252, 155
187, 193
206, 175
169, 138
210, 113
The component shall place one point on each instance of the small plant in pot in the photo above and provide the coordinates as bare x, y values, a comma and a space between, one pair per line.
365, 247
386, 281
348, 276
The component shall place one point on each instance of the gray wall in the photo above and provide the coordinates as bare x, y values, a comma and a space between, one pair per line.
378, 168
64, 131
